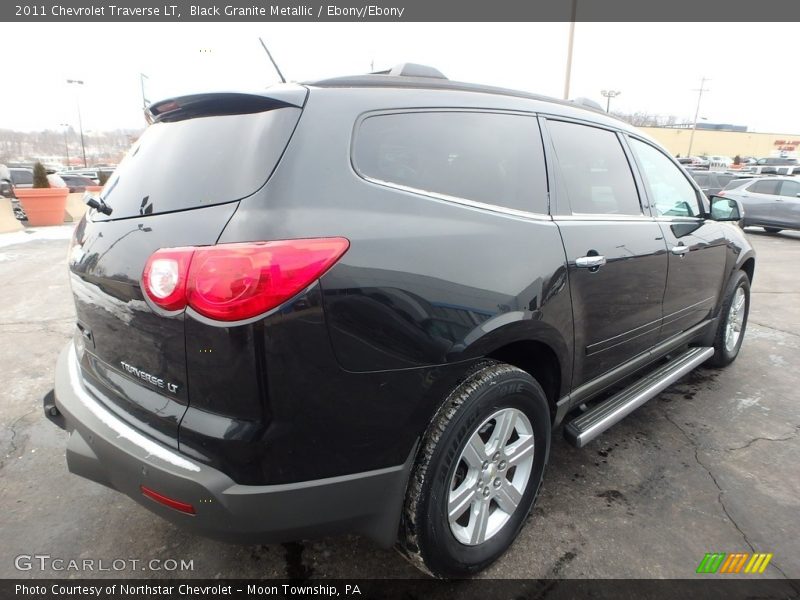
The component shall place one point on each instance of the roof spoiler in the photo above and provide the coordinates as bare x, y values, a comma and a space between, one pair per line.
223, 103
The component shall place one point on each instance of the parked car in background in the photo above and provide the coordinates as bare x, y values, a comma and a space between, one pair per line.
774, 166
719, 162
21, 177
88, 173
699, 162
712, 182
76, 183
769, 202
6, 189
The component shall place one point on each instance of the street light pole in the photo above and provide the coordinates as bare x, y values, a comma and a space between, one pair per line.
66, 144
142, 77
80, 121
697, 112
569, 49
608, 95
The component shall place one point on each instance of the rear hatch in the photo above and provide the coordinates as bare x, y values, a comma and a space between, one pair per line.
178, 186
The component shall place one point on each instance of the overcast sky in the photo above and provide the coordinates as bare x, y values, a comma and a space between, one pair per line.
656, 66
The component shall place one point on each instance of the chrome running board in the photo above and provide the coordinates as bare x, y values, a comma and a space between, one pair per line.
583, 429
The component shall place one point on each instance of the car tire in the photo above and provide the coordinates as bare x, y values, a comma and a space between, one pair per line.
772, 229
732, 316
495, 397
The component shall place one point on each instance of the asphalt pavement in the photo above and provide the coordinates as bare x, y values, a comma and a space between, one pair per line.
710, 465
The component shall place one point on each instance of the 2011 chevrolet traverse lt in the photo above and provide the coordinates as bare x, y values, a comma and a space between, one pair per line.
363, 305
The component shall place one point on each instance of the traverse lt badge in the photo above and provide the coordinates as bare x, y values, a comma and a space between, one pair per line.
152, 379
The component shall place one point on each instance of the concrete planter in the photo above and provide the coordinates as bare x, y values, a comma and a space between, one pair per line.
44, 206
8, 222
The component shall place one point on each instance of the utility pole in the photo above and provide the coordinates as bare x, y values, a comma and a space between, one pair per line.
142, 77
697, 111
569, 49
79, 82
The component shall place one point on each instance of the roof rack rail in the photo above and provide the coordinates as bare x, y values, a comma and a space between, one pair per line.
412, 70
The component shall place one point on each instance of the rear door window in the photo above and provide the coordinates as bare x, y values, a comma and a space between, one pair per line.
492, 158
593, 170
198, 162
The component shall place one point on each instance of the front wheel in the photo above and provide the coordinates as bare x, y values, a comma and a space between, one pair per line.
478, 472
773, 229
733, 321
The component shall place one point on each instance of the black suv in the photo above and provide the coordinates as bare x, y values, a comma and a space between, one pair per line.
376, 319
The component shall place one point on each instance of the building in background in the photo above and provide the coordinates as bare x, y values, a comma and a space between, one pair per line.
725, 140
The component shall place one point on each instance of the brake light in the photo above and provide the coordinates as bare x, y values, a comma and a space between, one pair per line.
231, 282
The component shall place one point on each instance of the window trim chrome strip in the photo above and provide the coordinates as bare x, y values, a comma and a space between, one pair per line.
457, 200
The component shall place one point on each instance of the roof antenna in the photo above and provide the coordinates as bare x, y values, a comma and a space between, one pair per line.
272, 60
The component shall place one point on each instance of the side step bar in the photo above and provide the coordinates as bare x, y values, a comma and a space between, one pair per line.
583, 429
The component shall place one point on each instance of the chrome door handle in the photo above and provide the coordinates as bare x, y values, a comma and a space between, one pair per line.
590, 262
680, 250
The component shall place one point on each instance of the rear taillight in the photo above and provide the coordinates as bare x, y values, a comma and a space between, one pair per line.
231, 282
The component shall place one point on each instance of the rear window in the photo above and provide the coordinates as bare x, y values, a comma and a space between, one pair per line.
723, 180
701, 179
493, 158
737, 183
21, 176
198, 162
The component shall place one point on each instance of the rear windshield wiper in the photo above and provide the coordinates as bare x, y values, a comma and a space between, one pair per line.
99, 204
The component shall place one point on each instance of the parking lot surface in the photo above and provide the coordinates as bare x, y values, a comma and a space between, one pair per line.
710, 465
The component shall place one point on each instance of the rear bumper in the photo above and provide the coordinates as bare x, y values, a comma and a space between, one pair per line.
106, 450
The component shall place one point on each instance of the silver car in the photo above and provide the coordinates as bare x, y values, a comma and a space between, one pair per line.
769, 202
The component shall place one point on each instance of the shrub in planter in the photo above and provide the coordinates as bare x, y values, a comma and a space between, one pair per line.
43, 204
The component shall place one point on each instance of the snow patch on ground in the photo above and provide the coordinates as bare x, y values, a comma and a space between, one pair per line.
33, 234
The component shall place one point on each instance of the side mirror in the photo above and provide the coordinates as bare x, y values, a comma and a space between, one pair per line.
726, 209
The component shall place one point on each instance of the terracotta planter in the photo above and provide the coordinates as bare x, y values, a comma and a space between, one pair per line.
94, 188
44, 206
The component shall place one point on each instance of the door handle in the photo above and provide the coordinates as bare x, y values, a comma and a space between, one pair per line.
590, 262
680, 250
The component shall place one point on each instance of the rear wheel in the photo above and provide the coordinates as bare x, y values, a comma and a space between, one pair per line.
733, 321
772, 229
478, 472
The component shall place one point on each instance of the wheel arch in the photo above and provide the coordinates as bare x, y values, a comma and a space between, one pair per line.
540, 361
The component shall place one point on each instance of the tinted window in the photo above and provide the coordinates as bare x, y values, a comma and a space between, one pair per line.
21, 176
487, 157
737, 183
593, 170
765, 186
723, 180
790, 188
198, 162
670, 192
